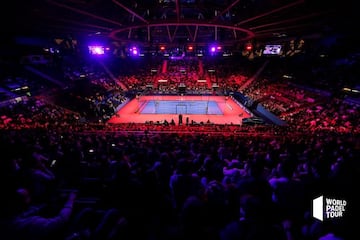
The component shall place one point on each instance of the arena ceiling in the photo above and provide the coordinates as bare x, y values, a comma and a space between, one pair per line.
177, 21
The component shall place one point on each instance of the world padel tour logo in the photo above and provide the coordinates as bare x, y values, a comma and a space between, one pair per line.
328, 208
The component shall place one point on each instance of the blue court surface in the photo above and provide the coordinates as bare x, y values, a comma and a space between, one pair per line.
181, 107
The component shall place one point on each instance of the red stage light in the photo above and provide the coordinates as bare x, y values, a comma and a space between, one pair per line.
249, 47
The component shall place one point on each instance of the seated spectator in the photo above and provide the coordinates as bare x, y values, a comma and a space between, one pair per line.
217, 205
183, 184
254, 182
254, 223
39, 178
26, 221
288, 194
194, 223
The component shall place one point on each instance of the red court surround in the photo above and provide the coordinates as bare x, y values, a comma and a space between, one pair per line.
232, 111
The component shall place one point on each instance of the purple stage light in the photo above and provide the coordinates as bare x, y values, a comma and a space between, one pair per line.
134, 51
96, 50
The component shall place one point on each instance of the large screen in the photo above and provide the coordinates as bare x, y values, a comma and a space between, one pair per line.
272, 49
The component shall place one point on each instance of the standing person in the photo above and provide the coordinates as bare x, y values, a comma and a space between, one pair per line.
180, 119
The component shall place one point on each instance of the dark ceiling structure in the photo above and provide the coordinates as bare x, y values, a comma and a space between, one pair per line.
198, 22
